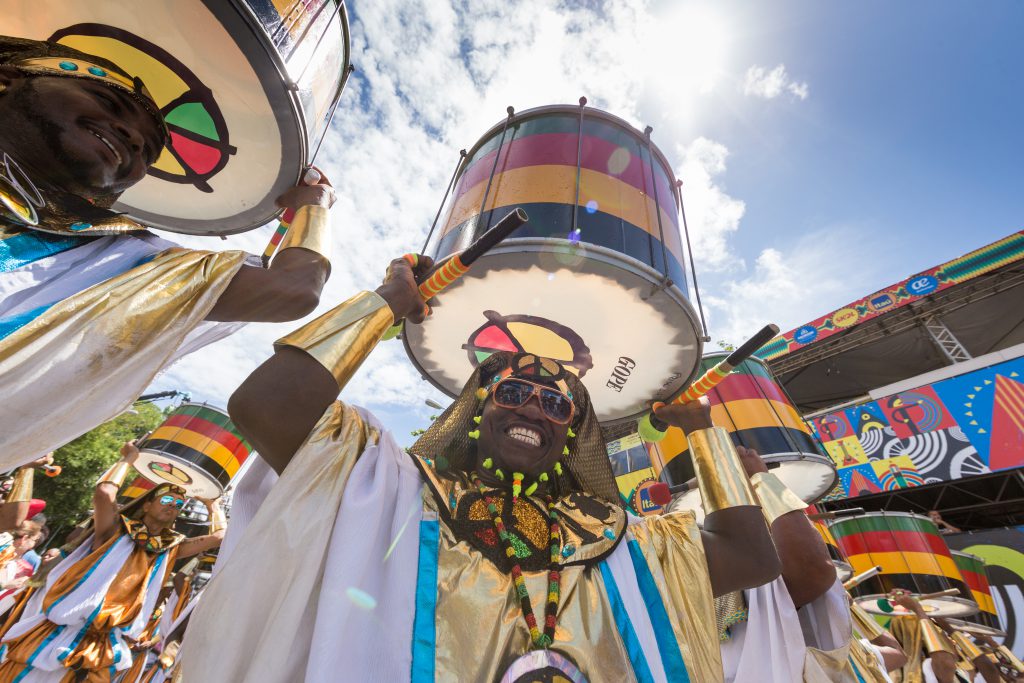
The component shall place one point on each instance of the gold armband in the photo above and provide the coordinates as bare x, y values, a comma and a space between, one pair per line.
934, 638
21, 487
776, 499
310, 229
218, 521
720, 475
342, 338
865, 624
115, 475
968, 648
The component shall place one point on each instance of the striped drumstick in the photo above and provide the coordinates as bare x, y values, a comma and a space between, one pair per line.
457, 266
311, 177
653, 429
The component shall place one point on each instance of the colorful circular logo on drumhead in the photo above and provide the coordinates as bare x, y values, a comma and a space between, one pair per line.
530, 334
170, 472
199, 147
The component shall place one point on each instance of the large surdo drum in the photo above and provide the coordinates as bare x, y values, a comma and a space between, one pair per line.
758, 414
986, 621
913, 556
247, 88
594, 280
197, 447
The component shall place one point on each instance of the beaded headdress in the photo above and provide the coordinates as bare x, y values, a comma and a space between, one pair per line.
41, 58
586, 467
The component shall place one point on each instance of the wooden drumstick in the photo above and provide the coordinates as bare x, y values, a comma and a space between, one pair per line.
885, 604
456, 266
854, 581
653, 429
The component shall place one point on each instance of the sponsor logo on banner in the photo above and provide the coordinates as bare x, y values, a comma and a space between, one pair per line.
845, 317
922, 284
881, 302
806, 334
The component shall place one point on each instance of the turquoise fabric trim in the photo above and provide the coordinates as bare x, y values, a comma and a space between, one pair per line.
28, 665
82, 580
424, 629
856, 671
641, 669
81, 634
29, 246
668, 647
16, 322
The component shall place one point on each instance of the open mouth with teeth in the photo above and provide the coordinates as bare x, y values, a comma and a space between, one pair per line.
110, 145
525, 435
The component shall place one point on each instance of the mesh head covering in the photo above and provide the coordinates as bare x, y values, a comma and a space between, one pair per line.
42, 58
586, 468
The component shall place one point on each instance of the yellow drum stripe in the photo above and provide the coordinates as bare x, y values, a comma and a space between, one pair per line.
751, 413
199, 442
556, 184
906, 563
985, 601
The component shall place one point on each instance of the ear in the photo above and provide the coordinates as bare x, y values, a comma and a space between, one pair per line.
8, 75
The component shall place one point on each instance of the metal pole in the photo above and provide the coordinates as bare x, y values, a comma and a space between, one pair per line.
579, 160
497, 155
462, 157
657, 207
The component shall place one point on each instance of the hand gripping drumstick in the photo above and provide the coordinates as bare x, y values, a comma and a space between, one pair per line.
886, 606
311, 177
457, 266
653, 429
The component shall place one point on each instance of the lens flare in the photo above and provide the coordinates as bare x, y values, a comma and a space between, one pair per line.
360, 598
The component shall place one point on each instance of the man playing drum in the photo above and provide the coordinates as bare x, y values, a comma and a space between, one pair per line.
497, 546
80, 625
92, 306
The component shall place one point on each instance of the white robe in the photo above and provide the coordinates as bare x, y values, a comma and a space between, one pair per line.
771, 646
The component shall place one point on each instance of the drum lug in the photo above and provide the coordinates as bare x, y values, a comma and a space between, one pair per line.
665, 284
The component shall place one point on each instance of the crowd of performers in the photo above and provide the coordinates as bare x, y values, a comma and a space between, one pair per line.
494, 548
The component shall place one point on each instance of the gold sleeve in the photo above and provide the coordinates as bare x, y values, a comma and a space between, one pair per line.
310, 229
776, 499
21, 486
342, 338
866, 625
934, 639
720, 475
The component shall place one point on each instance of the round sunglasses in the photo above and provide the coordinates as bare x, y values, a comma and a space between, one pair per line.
172, 500
513, 393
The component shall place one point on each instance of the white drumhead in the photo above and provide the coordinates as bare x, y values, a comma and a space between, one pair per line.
241, 127
161, 468
933, 607
593, 309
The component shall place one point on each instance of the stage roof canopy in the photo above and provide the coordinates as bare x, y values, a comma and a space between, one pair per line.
884, 338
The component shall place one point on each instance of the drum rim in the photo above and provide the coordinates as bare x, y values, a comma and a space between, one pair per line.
201, 404
535, 112
179, 461
951, 599
980, 629
979, 558
234, 15
610, 257
878, 513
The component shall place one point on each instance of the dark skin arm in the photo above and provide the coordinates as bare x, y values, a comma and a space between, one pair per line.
943, 663
892, 654
199, 544
106, 513
738, 546
13, 514
280, 402
290, 288
806, 567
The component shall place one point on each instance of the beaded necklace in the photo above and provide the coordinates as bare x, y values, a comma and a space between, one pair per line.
540, 640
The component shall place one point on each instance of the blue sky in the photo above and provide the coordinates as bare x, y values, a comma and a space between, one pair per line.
827, 149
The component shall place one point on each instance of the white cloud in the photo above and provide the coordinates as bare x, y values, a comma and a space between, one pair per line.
760, 82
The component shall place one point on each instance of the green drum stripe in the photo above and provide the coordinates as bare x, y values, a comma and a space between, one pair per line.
216, 417
856, 525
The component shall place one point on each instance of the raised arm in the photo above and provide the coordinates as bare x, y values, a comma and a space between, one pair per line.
290, 288
106, 513
806, 567
213, 539
737, 544
14, 509
279, 403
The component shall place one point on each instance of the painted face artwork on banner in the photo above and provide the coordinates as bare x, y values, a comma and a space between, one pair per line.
958, 427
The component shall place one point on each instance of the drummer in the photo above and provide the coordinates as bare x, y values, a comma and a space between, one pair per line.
497, 545
92, 306
99, 599
931, 655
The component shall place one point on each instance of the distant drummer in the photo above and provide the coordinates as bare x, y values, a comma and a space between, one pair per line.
97, 602
92, 306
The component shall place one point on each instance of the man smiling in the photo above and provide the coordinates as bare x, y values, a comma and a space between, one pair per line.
495, 549
91, 305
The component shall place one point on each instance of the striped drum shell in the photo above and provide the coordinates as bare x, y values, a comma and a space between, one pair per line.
986, 621
197, 447
760, 415
595, 279
913, 556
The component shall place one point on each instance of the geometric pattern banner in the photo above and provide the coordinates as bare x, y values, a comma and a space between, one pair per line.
958, 427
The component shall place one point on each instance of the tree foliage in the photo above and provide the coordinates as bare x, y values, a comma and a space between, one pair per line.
69, 496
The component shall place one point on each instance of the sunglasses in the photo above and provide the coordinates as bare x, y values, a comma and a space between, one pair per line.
513, 393
171, 500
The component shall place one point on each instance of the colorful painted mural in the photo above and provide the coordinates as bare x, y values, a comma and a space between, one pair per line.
958, 427
978, 262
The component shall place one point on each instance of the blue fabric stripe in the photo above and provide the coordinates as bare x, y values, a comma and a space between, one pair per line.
42, 646
15, 322
29, 246
97, 563
668, 647
424, 630
641, 669
856, 670
81, 634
